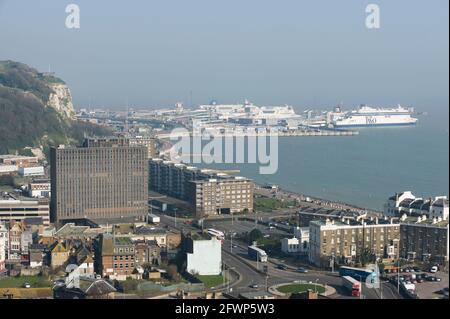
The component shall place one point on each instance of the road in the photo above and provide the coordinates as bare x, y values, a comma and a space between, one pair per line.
235, 256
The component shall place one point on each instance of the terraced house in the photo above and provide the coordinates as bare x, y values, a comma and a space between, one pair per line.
343, 242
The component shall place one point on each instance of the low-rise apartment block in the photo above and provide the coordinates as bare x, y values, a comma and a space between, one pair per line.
117, 257
13, 208
221, 196
19, 160
208, 192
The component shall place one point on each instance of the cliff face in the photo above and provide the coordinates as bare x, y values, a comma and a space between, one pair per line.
61, 100
36, 111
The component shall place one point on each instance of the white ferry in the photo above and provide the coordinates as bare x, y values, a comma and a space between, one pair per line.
369, 116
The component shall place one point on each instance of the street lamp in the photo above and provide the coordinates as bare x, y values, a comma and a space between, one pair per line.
175, 212
231, 237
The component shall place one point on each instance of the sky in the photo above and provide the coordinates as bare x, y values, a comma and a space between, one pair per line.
315, 53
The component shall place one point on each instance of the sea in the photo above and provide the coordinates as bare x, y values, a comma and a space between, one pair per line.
363, 170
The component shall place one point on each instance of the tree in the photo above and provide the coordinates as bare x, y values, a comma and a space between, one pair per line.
366, 256
254, 235
172, 271
7, 180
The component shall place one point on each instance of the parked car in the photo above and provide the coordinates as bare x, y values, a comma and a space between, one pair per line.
282, 267
434, 269
254, 286
417, 269
438, 279
26, 285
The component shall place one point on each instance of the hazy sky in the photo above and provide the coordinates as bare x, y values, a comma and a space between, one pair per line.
304, 53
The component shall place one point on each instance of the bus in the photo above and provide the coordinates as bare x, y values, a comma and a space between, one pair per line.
353, 285
358, 273
257, 253
216, 233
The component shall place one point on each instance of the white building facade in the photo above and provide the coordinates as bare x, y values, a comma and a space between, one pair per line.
3, 247
205, 257
290, 245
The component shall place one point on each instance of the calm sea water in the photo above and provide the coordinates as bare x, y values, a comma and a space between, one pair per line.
364, 170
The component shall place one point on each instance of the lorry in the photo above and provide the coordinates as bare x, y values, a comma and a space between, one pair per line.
154, 219
257, 253
353, 285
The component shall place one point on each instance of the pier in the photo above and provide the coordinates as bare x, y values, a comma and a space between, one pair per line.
268, 134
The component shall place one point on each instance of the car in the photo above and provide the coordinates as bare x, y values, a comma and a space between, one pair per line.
26, 285
282, 267
431, 278
438, 279
302, 270
254, 286
434, 269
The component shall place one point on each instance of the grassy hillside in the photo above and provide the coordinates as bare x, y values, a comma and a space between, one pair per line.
25, 120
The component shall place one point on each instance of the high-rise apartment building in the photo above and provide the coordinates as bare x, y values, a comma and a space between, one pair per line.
99, 181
